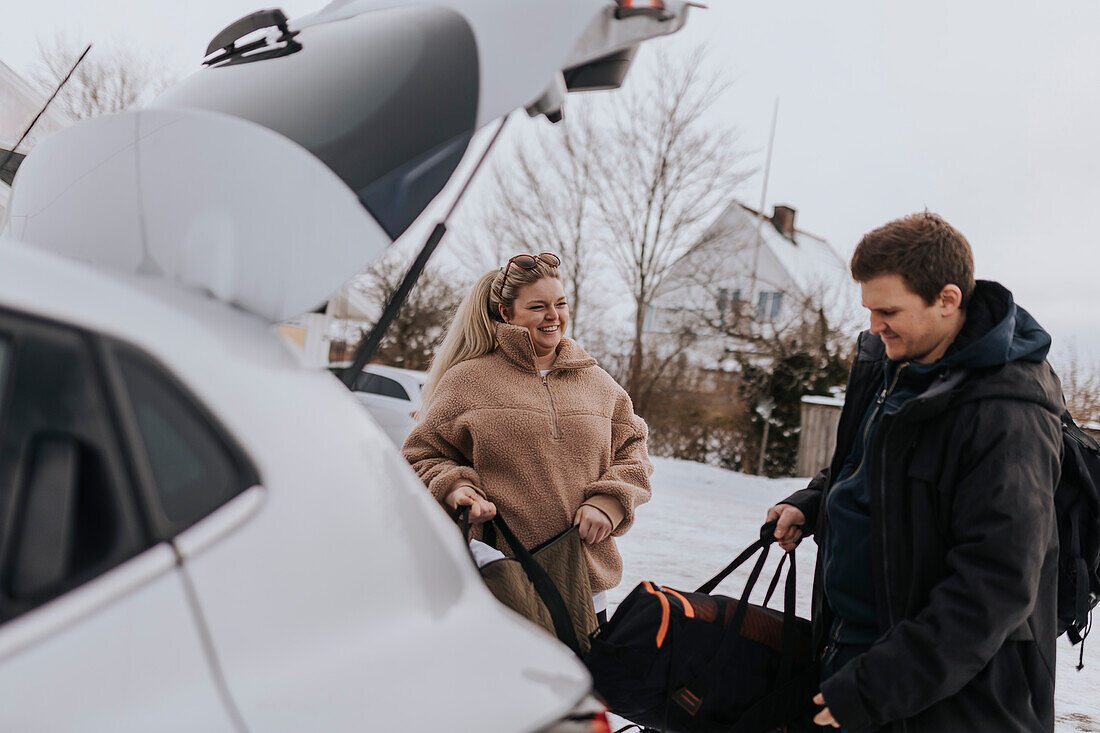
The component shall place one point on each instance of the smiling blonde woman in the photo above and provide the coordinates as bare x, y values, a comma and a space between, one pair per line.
519, 419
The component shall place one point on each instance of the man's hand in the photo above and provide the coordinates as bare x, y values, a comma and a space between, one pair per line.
788, 530
824, 717
481, 509
595, 525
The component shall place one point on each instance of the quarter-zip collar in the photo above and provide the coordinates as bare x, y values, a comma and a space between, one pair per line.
514, 343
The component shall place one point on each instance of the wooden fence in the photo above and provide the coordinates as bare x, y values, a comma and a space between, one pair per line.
817, 436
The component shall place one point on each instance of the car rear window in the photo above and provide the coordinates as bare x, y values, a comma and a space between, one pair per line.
194, 470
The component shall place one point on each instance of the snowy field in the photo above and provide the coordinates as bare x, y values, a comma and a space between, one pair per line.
701, 517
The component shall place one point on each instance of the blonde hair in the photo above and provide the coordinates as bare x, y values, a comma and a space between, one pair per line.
473, 331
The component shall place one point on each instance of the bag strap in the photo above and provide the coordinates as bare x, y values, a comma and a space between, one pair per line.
686, 696
540, 579
775, 579
462, 516
489, 535
488, 531
767, 536
786, 661
544, 586
732, 636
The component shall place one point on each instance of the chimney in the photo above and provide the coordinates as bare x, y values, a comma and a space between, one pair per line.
783, 219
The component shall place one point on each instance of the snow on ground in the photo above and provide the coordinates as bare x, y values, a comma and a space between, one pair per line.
701, 517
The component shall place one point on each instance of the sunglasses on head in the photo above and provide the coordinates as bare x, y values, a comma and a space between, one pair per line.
529, 262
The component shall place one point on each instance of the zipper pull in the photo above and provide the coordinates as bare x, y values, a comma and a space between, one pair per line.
881, 397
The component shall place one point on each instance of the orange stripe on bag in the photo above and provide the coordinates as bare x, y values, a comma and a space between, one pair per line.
689, 610
665, 610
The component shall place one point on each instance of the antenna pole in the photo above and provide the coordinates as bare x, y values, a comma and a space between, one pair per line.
763, 200
44, 107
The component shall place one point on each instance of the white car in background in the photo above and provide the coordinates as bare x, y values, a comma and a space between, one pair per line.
199, 531
390, 394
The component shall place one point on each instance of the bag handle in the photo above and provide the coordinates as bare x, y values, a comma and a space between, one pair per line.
767, 537
775, 579
732, 636
786, 661
540, 579
763, 714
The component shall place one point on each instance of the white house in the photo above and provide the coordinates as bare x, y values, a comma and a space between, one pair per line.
19, 103
753, 274
344, 316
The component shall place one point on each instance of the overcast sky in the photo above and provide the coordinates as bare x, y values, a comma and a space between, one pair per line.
985, 112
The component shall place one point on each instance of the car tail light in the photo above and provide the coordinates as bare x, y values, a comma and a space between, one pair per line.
588, 716
600, 723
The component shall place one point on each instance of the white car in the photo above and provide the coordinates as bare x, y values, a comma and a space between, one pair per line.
390, 394
200, 532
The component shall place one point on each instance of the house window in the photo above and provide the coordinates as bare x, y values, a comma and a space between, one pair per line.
768, 306
728, 300
728, 303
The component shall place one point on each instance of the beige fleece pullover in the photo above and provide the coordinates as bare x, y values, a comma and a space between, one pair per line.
537, 447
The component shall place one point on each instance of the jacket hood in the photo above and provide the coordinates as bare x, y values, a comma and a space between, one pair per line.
996, 332
999, 353
515, 344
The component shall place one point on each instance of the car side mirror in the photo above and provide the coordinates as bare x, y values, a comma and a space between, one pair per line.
46, 515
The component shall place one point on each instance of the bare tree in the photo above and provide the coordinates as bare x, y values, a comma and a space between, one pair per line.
112, 78
1081, 386
541, 201
630, 182
419, 325
664, 171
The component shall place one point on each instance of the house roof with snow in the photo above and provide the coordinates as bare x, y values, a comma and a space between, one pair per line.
763, 263
805, 257
784, 258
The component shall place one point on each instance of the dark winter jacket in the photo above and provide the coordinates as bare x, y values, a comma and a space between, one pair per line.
963, 540
846, 556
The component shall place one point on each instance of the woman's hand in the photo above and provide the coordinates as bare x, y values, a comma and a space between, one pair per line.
788, 530
595, 525
481, 509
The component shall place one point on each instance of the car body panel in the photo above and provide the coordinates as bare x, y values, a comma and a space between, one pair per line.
524, 46
335, 594
220, 187
237, 235
387, 100
347, 571
121, 653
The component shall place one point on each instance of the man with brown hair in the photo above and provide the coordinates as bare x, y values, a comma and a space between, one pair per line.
934, 597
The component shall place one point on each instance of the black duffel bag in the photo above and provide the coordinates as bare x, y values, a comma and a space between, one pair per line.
694, 662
